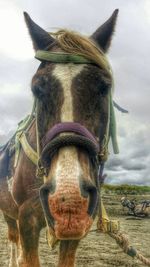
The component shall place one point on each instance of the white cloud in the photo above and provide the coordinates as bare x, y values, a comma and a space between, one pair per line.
15, 103
14, 37
132, 164
147, 10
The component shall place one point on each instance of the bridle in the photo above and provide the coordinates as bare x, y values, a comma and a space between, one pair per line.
66, 133
77, 134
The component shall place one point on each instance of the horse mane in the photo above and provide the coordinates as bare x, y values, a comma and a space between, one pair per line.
74, 43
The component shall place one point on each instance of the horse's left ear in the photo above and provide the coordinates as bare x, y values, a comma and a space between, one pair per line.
104, 33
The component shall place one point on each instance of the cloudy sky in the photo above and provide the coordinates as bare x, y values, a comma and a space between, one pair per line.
129, 56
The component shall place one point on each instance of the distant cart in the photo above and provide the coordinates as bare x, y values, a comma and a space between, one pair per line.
141, 209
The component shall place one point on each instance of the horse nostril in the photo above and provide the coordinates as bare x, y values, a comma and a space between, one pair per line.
89, 190
93, 200
63, 199
45, 190
48, 187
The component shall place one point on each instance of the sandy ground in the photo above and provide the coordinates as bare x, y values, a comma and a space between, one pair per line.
96, 249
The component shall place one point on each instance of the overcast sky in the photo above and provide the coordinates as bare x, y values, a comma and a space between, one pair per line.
129, 56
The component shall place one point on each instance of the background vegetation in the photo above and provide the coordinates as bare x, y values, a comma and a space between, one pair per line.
126, 189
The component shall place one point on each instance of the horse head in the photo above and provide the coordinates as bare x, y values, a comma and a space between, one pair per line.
72, 88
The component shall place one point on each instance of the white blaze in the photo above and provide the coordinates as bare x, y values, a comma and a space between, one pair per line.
65, 73
68, 167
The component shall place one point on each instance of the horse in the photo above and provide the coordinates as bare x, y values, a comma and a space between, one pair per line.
69, 133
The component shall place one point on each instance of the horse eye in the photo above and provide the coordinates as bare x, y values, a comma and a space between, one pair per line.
39, 86
38, 91
104, 88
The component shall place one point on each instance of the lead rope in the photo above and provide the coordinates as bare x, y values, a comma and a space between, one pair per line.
104, 224
111, 227
123, 241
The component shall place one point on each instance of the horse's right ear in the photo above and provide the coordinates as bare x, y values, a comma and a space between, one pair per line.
40, 38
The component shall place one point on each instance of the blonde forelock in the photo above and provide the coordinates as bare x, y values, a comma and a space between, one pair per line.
74, 43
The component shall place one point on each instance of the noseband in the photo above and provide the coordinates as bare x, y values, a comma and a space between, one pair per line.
77, 135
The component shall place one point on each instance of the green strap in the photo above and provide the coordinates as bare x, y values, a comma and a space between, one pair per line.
57, 57
29, 151
21, 141
113, 131
24, 124
17, 149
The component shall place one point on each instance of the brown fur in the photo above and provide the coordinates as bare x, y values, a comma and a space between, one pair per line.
13, 234
90, 100
49, 98
67, 253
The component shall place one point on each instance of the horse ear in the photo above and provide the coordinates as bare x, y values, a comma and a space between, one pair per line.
104, 33
40, 38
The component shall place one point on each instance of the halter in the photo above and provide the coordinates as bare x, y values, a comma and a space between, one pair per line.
77, 134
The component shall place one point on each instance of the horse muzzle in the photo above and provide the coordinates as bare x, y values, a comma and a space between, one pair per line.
69, 212
70, 205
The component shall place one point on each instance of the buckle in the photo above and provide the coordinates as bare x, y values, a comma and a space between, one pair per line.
108, 226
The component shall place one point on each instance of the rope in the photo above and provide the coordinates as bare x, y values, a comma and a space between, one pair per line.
143, 259
111, 227
123, 241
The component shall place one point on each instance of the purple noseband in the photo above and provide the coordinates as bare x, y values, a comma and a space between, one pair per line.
72, 127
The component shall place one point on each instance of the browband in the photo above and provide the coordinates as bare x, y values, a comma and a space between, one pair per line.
61, 57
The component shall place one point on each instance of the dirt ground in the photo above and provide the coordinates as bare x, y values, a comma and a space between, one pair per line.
95, 249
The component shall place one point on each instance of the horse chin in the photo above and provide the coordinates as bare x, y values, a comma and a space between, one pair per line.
72, 227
